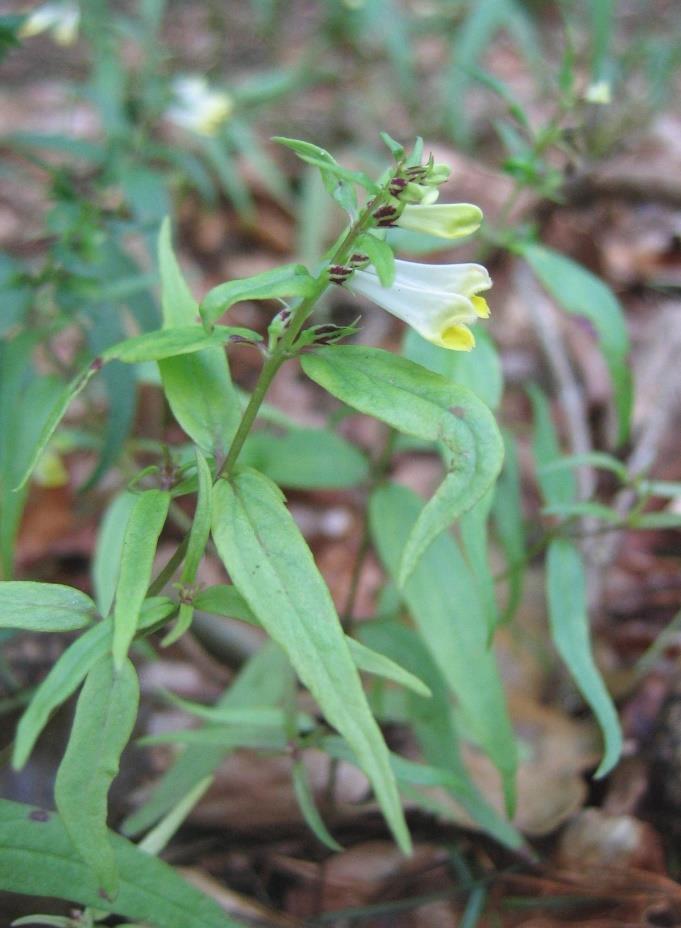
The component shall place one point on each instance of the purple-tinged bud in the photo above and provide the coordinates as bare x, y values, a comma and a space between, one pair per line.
385, 212
416, 173
97, 364
397, 185
339, 273
359, 260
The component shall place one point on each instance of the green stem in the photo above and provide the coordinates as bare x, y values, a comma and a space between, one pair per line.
284, 347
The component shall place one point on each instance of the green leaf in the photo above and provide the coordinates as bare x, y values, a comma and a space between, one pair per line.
396, 149
261, 682
667, 489
479, 370
39, 859
595, 510
44, 607
557, 486
443, 600
159, 836
381, 255
254, 716
474, 532
566, 592
179, 306
198, 538
198, 387
227, 737
581, 292
433, 723
272, 566
288, 280
173, 342
70, 670
592, 459
327, 164
54, 417
424, 404
371, 661
654, 520
225, 599
104, 719
137, 560
507, 515
25, 403
306, 459
307, 805
109, 548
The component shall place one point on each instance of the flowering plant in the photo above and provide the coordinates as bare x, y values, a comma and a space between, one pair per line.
234, 471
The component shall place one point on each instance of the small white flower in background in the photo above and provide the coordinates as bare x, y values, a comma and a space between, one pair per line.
197, 107
599, 92
61, 19
439, 301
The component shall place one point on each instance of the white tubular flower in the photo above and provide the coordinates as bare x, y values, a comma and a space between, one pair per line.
61, 19
439, 301
446, 220
198, 108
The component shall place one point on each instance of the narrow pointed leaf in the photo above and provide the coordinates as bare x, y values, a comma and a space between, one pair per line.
424, 404
173, 342
579, 291
433, 723
566, 591
56, 414
557, 486
69, 672
327, 164
443, 600
44, 607
103, 723
198, 386
272, 566
371, 661
137, 559
308, 807
288, 280
261, 682
109, 548
39, 859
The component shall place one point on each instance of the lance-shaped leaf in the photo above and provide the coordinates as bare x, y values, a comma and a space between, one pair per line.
566, 591
108, 549
54, 417
39, 859
198, 386
44, 607
226, 600
418, 402
173, 342
327, 164
261, 682
433, 723
579, 291
272, 566
445, 604
288, 280
137, 560
374, 662
103, 723
70, 670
